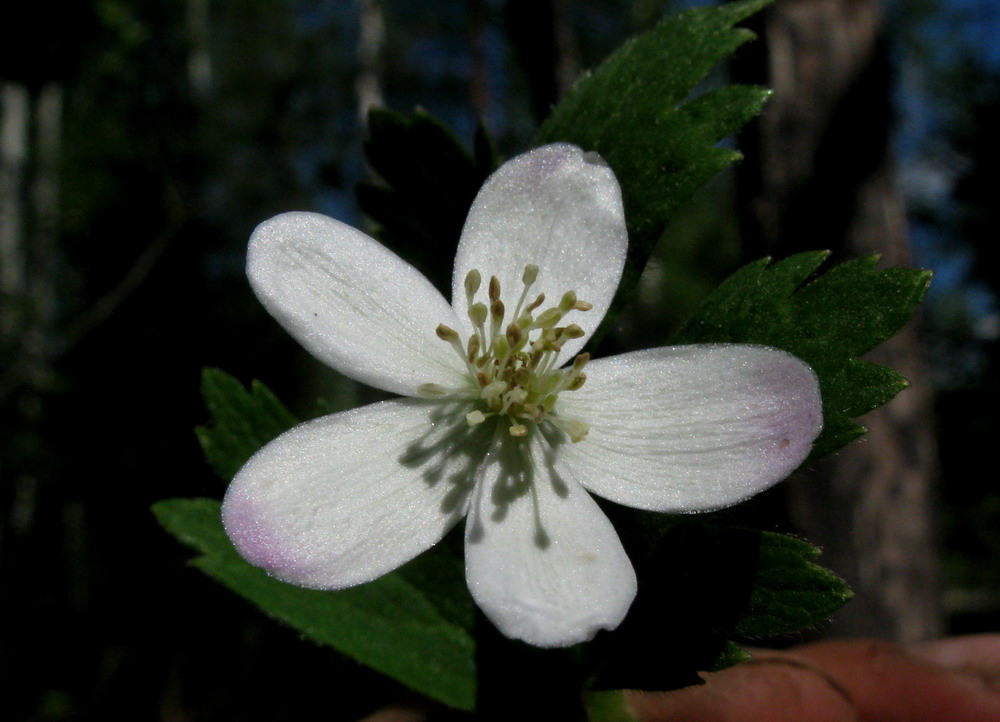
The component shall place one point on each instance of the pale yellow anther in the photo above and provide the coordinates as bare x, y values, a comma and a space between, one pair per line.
472, 282
493, 389
478, 313
548, 318
573, 331
432, 391
583, 306
446, 333
568, 301
513, 335
518, 430
536, 303
530, 274
517, 395
574, 428
475, 417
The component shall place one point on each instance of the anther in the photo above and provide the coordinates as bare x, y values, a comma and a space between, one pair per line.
568, 301
472, 283
548, 318
432, 391
536, 303
530, 274
513, 335
478, 313
576, 429
446, 333
475, 417
493, 389
497, 311
494, 291
518, 430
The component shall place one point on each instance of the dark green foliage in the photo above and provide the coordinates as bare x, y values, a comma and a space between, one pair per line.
408, 624
429, 183
790, 592
242, 421
828, 323
636, 110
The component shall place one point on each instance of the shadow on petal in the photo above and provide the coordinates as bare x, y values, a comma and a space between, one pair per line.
449, 452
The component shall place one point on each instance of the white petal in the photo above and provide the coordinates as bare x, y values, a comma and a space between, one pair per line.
353, 303
345, 498
691, 428
560, 209
541, 559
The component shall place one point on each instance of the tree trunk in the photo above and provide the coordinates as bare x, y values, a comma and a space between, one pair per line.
819, 175
371, 37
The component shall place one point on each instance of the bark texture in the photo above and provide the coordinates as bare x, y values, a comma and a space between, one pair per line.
819, 175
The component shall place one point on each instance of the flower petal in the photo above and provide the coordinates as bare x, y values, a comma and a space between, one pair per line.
560, 209
353, 303
541, 559
691, 428
345, 498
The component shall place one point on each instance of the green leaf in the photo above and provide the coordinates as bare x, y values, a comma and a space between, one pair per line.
636, 110
242, 421
731, 655
395, 625
609, 706
428, 184
827, 322
790, 592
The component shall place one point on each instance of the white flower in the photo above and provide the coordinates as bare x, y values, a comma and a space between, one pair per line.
502, 420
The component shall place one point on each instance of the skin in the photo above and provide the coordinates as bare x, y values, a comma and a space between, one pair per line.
956, 679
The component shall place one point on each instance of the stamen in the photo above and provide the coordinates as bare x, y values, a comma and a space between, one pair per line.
472, 282
536, 303
574, 428
527, 278
568, 301
446, 333
432, 391
514, 366
548, 318
477, 314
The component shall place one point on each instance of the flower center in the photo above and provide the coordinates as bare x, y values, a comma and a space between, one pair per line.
512, 364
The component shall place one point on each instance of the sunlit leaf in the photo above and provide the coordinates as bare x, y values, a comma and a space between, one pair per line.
395, 625
828, 322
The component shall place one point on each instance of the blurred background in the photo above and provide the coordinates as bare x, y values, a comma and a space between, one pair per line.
140, 143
